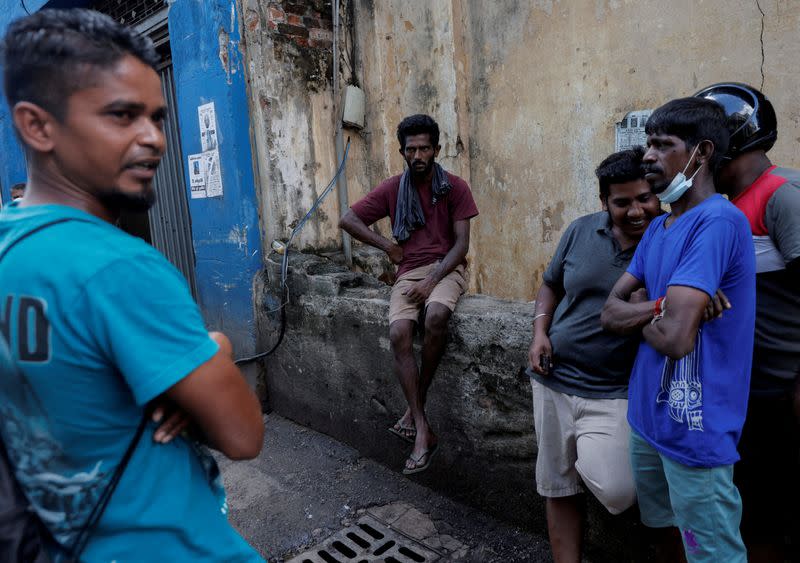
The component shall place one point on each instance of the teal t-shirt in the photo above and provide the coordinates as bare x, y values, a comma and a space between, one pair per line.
99, 323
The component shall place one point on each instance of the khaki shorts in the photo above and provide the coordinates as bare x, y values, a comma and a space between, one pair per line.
446, 292
583, 442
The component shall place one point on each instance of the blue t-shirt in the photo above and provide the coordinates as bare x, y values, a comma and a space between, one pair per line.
99, 324
692, 410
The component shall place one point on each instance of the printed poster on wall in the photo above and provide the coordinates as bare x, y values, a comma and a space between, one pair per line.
213, 173
205, 175
197, 177
208, 126
630, 131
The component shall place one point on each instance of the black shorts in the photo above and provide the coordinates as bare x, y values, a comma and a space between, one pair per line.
768, 475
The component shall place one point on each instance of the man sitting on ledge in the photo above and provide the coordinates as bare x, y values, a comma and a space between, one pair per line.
430, 211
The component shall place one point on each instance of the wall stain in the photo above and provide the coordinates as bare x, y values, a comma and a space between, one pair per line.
552, 221
238, 236
223, 39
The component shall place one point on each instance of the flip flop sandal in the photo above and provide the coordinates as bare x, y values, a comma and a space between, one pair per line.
403, 433
420, 468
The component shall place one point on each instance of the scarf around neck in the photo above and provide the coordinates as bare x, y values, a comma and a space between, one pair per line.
409, 215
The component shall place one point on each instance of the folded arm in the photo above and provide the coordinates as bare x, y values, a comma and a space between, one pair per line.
675, 333
624, 315
220, 402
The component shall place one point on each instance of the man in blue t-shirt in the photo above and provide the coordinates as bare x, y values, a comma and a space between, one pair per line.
100, 326
689, 385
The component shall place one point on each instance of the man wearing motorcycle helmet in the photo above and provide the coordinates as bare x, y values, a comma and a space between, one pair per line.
769, 196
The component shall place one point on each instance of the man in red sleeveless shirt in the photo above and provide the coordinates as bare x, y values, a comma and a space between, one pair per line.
430, 211
769, 196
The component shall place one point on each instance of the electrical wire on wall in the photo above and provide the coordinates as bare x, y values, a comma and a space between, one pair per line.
283, 248
24, 7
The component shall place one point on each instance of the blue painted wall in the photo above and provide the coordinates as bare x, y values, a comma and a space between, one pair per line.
225, 230
12, 161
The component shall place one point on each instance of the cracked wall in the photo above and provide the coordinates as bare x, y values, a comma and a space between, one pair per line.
526, 94
287, 48
532, 90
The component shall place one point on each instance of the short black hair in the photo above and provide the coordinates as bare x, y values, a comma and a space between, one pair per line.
693, 120
417, 125
51, 54
18, 186
619, 168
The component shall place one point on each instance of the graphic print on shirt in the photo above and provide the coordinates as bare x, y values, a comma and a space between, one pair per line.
62, 495
27, 317
682, 388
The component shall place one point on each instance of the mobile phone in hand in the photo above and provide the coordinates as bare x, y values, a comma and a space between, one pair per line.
546, 362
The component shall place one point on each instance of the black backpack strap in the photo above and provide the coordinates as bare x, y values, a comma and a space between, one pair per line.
83, 536
33, 231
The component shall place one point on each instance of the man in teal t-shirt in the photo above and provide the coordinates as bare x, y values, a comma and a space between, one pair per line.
101, 327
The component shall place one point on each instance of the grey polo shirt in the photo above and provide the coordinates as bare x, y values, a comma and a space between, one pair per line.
588, 361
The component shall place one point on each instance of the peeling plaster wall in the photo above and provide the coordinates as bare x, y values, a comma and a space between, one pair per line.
289, 60
532, 89
526, 93
293, 113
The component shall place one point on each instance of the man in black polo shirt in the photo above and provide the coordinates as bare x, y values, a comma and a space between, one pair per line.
580, 371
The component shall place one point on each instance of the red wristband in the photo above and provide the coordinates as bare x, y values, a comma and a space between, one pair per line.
658, 310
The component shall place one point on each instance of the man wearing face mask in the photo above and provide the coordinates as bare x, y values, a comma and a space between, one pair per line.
430, 211
770, 198
688, 389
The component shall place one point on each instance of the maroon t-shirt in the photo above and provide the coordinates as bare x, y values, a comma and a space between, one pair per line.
433, 241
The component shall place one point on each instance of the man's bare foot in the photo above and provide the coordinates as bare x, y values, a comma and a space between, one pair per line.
418, 464
424, 447
404, 432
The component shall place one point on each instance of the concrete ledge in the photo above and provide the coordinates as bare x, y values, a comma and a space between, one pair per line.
333, 373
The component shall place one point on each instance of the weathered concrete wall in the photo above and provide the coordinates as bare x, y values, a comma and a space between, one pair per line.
333, 373
532, 90
526, 93
287, 47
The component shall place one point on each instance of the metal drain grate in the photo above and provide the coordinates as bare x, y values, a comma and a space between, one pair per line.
365, 542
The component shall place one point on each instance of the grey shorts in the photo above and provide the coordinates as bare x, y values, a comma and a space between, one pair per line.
582, 443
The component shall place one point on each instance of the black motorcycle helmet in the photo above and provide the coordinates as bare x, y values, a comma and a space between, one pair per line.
751, 117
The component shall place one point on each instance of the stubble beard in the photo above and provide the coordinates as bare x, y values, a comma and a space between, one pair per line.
116, 200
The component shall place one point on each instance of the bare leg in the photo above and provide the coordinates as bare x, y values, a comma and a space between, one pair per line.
565, 527
405, 365
436, 319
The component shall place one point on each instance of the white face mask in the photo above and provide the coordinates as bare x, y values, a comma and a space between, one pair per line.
679, 184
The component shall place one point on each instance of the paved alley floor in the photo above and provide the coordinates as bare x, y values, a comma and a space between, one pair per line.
306, 490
